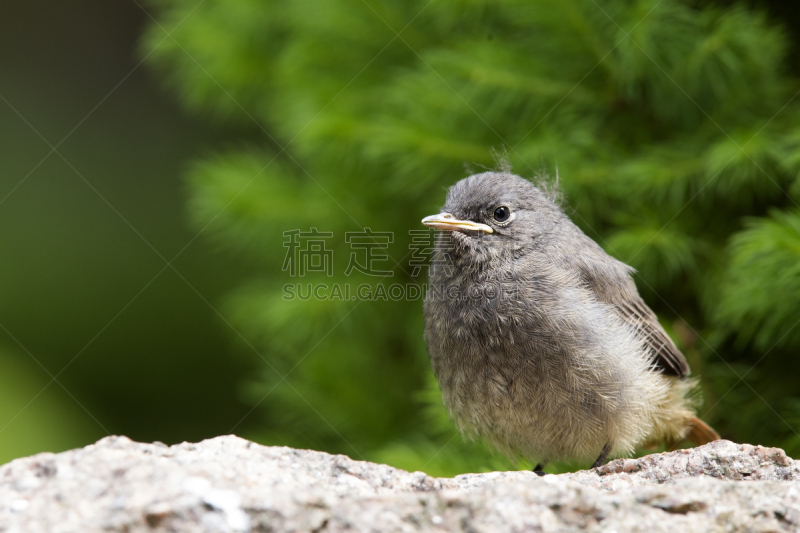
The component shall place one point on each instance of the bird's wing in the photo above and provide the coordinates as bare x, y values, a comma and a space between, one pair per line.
610, 281
666, 356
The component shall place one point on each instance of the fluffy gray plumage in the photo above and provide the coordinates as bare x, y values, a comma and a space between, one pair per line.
539, 339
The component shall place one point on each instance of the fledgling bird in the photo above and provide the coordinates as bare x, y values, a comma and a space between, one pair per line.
539, 339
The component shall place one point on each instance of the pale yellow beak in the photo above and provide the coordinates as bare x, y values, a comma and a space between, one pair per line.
446, 221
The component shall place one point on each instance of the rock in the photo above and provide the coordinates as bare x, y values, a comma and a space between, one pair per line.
228, 484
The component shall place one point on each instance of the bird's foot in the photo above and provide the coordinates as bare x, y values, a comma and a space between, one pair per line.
603, 456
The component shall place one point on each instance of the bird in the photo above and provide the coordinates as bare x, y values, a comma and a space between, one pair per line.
539, 339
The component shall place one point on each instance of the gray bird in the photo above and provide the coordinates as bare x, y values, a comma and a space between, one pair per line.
539, 339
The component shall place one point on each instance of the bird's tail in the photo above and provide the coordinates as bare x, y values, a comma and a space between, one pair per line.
700, 433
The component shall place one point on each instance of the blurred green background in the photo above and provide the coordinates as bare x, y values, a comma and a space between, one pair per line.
142, 259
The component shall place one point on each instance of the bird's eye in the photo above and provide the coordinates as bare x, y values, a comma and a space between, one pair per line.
502, 213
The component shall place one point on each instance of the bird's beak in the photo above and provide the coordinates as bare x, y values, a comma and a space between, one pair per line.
446, 221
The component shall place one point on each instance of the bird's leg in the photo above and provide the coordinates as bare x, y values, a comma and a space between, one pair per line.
603, 456
539, 469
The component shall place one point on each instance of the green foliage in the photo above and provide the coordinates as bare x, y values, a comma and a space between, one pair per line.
763, 285
671, 127
35, 414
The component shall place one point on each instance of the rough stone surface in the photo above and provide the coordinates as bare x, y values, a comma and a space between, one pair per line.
228, 484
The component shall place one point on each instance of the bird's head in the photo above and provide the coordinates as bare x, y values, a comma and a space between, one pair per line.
494, 216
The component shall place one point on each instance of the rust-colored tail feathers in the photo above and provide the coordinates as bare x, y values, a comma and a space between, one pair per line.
700, 433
